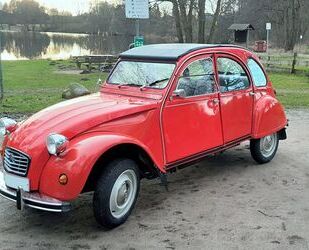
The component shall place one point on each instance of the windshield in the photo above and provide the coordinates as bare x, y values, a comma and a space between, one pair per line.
143, 74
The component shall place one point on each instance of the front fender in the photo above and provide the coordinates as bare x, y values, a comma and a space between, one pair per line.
269, 117
77, 162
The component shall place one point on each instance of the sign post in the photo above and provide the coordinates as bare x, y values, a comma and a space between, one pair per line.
137, 9
268, 28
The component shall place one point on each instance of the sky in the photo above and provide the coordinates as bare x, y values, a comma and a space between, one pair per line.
73, 6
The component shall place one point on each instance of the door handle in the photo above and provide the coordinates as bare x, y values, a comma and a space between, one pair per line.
216, 101
252, 93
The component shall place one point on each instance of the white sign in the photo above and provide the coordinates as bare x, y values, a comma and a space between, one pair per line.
137, 9
268, 26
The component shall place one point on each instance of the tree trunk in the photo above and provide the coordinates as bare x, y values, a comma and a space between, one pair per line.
214, 22
177, 21
190, 24
292, 24
201, 21
186, 19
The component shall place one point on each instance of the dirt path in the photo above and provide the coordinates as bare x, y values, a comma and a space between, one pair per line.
226, 202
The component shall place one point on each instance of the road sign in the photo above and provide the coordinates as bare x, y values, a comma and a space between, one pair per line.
268, 29
137, 9
138, 41
268, 26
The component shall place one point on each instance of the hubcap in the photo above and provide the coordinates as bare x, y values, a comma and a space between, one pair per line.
268, 145
123, 193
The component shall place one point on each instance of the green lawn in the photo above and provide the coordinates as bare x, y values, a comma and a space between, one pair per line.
292, 90
33, 85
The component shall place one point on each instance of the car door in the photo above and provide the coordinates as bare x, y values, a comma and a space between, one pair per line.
192, 123
236, 98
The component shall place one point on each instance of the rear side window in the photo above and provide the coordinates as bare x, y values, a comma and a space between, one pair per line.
232, 76
257, 73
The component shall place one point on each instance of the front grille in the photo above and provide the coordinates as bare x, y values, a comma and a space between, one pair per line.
16, 162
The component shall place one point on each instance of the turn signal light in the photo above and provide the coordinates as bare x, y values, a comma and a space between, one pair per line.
63, 179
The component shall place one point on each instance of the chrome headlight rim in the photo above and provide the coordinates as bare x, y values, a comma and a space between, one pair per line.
56, 143
3, 130
7, 125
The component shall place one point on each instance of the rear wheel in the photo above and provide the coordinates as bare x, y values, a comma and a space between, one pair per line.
116, 193
263, 150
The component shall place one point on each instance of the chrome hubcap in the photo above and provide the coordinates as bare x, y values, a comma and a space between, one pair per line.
268, 145
123, 193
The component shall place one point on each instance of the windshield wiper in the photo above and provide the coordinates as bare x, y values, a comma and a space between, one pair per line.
128, 84
153, 83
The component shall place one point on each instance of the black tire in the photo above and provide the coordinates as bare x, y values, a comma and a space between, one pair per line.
102, 196
260, 155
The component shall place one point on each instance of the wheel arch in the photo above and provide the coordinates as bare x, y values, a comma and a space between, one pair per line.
131, 151
84, 157
269, 117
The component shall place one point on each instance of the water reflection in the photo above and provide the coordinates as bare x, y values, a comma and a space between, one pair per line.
37, 45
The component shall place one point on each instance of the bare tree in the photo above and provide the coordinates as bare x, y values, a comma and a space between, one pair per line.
288, 18
177, 21
214, 22
183, 14
186, 15
176, 14
292, 24
201, 21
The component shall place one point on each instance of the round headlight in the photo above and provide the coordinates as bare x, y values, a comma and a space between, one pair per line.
56, 144
2, 129
7, 125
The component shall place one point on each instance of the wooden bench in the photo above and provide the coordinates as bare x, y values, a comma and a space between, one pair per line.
104, 62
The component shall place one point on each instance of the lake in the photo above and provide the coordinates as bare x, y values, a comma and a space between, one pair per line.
47, 45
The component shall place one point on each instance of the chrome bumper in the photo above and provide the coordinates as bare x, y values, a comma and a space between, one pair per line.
33, 200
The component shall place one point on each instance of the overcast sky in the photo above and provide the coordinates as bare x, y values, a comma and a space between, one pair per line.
73, 6
77, 6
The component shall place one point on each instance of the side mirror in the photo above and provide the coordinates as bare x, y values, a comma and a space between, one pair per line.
179, 93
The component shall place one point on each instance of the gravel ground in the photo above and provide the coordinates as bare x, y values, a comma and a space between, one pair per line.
224, 202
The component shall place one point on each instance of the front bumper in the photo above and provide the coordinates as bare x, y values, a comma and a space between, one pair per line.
32, 199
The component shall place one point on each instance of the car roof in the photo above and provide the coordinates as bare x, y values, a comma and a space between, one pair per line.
170, 52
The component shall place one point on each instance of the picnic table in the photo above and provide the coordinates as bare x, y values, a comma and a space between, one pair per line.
104, 62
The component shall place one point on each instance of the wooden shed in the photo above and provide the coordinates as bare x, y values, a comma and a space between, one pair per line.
241, 32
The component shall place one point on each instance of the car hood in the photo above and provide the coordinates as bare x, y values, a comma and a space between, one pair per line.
70, 118
76, 116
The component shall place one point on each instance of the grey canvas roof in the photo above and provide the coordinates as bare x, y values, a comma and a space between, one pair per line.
241, 26
172, 51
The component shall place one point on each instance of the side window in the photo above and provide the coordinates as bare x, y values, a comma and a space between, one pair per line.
198, 78
257, 73
232, 76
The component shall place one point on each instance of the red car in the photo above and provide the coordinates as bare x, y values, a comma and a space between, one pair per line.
162, 107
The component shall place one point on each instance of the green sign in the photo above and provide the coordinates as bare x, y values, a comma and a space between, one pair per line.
138, 41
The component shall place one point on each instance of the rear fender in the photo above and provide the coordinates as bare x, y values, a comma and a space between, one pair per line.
77, 162
269, 117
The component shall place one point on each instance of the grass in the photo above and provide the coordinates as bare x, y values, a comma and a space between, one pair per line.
292, 90
33, 85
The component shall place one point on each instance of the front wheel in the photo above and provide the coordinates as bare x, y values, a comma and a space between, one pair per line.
263, 150
116, 193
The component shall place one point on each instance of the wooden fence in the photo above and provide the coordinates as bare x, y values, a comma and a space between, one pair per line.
289, 63
284, 62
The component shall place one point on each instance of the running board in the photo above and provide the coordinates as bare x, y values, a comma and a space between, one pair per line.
200, 156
